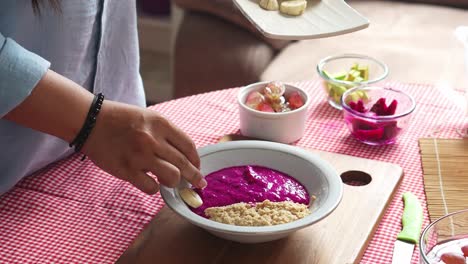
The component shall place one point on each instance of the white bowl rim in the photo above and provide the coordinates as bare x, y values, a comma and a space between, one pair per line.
248, 87
331, 203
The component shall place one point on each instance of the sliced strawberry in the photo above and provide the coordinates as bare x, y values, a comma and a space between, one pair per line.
264, 107
295, 100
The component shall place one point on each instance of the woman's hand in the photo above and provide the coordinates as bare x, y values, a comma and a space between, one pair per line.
128, 142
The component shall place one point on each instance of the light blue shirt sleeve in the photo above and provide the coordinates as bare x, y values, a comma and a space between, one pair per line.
20, 71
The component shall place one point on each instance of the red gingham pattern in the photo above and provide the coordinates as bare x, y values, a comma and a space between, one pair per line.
72, 211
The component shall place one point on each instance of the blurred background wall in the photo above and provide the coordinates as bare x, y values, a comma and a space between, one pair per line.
157, 22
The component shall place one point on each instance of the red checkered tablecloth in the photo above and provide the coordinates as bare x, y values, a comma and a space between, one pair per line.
72, 211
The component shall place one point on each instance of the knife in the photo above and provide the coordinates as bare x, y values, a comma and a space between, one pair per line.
408, 237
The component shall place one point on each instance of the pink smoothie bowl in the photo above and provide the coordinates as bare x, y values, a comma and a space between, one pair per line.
317, 176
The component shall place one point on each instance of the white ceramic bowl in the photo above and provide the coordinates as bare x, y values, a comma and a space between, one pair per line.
318, 176
284, 127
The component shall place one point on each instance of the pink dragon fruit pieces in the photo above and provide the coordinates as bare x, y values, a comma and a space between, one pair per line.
370, 129
392, 108
381, 108
375, 134
391, 130
360, 106
362, 124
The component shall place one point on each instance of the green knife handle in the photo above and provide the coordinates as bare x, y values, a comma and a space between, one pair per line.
412, 219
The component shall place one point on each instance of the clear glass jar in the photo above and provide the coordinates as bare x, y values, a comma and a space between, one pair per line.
447, 234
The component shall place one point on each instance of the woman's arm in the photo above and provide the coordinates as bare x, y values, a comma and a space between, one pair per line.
127, 141
56, 106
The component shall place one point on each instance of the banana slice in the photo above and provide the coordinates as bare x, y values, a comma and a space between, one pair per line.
293, 7
269, 4
190, 197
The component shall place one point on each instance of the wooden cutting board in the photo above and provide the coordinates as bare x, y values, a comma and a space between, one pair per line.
340, 238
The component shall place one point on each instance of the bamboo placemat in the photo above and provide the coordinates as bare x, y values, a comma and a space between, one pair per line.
445, 168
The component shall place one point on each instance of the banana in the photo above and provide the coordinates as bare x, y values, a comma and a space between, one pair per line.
190, 197
269, 4
293, 7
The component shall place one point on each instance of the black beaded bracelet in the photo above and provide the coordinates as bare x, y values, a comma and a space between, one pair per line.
89, 123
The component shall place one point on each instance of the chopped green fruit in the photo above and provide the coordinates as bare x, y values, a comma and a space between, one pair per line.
364, 70
355, 73
358, 79
337, 99
329, 87
340, 75
364, 96
339, 89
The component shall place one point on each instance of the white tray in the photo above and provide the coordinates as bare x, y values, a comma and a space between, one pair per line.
322, 18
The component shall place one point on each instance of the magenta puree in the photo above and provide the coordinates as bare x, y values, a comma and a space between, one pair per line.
249, 184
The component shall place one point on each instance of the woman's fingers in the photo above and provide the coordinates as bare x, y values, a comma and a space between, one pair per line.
168, 175
185, 145
185, 167
144, 182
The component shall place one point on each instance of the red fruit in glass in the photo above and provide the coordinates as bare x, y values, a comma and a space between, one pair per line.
295, 100
362, 124
380, 107
358, 107
369, 135
391, 109
452, 258
391, 129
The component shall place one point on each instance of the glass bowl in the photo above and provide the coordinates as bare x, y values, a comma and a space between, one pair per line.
368, 113
346, 71
447, 234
